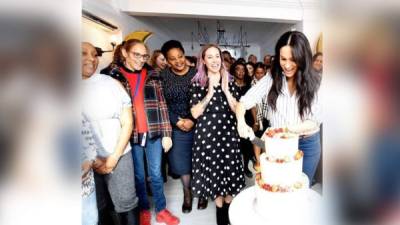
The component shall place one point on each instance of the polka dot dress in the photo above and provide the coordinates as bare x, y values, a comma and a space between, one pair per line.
216, 163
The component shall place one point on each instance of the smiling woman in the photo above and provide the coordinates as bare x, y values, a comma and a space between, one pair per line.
89, 60
217, 163
292, 97
109, 111
152, 130
176, 86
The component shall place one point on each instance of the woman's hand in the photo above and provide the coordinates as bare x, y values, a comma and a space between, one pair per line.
198, 109
98, 164
180, 123
111, 163
185, 124
166, 143
86, 166
213, 81
243, 129
107, 165
225, 84
188, 124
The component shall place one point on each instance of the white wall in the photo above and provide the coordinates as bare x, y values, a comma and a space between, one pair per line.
268, 47
109, 11
99, 37
311, 26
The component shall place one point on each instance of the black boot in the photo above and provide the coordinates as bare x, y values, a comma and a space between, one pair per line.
220, 216
187, 200
247, 172
226, 212
202, 203
130, 218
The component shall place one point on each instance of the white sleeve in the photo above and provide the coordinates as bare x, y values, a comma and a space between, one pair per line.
120, 93
257, 92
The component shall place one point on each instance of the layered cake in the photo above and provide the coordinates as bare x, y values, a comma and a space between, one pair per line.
281, 186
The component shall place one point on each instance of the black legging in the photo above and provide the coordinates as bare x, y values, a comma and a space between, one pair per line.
246, 148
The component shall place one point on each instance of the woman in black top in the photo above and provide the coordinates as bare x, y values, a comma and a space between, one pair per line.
242, 83
176, 84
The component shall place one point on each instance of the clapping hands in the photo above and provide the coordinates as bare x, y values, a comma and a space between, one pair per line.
213, 81
225, 84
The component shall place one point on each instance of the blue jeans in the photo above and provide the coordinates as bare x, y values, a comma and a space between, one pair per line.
311, 146
89, 210
153, 151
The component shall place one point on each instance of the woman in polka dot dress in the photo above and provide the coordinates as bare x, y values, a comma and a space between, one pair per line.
216, 164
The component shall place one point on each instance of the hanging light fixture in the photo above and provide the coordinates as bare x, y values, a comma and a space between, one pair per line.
237, 41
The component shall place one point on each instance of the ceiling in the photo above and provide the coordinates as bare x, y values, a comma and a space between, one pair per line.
259, 33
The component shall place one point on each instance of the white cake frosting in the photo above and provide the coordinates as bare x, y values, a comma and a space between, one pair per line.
279, 206
279, 147
285, 173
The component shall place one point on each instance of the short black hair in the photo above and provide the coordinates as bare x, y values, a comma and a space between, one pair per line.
259, 65
226, 52
170, 45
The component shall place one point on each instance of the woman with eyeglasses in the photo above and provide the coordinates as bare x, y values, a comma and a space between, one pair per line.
152, 128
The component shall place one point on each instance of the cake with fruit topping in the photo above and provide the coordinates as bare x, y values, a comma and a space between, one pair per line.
281, 184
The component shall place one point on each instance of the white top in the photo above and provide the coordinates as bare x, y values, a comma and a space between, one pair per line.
103, 101
287, 111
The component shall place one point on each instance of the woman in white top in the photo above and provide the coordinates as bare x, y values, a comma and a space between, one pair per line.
291, 93
109, 111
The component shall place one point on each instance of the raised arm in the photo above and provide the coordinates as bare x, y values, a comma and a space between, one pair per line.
249, 100
199, 102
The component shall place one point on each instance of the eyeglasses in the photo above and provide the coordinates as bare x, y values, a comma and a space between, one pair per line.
145, 57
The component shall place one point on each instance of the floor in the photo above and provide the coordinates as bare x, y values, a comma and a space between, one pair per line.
174, 196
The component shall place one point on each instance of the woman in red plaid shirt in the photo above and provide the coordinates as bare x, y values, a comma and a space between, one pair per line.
152, 128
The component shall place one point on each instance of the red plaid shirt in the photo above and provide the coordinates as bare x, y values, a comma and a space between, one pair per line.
154, 103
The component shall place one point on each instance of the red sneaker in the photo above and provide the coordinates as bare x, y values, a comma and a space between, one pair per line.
145, 217
165, 216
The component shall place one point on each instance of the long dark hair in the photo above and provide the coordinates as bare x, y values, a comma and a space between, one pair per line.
307, 81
